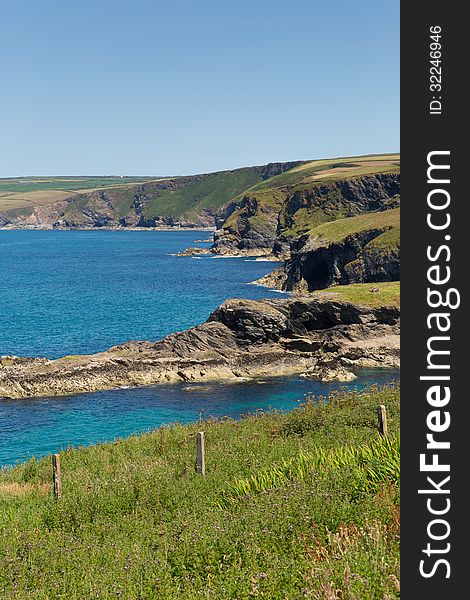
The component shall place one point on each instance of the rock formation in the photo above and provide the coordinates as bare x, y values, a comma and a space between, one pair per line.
242, 338
269, 221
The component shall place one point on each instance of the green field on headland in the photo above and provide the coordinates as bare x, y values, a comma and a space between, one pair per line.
375, 294
204, 199
293, 505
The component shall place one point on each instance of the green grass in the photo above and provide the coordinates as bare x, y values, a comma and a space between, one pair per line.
335, 231
210, 192
33, 184
135, 521
388, 239
375, 464
369, 294
305, 172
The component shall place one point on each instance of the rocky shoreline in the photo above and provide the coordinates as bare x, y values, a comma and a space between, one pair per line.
114, 228
324, 339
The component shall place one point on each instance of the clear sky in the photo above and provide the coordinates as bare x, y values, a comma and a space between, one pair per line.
147, 87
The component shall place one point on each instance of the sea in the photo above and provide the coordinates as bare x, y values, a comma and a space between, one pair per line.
79, 292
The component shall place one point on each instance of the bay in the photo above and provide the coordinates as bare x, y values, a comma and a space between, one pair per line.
77, 292
40, 426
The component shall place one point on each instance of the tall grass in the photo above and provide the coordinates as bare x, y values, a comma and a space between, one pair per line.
375, 464
317, 514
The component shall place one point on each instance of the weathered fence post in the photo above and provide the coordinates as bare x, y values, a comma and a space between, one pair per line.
56, 476
383, 427
201, 459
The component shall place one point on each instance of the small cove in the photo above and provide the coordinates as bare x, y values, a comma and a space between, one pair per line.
39, 426
75, 292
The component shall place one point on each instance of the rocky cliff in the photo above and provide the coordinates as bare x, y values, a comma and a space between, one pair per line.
360, 249
190, 201
324, 338
270, 220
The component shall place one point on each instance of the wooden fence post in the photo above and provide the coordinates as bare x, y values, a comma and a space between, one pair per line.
201, 459
56, 476
383, 427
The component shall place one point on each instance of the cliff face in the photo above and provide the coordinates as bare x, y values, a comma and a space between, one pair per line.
190, 201
361, 249
353, 260
249, 226
271, 221
242, 338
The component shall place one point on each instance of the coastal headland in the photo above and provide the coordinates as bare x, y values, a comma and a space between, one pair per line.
323, 337
334, 225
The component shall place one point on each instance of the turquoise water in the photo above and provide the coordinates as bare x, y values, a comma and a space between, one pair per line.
37, 427
73, 292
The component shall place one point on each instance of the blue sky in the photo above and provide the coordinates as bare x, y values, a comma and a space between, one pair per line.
146, 87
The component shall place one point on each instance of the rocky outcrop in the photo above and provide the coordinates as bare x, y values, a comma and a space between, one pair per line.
245, 236
192, 251
358, 258
242, 338
268, 222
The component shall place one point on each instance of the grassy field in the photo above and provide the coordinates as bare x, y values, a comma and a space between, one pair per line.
331, 169
35, 184
297, 505
334, 231
369, 294
11, 201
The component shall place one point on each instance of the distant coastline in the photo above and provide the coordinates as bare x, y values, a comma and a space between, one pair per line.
187, 228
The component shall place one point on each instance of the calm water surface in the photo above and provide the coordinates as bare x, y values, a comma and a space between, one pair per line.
37, 427
77, 292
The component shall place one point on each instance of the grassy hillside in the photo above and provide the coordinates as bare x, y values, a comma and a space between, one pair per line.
22, 195
271, 215
301, 504
188, 198
334, 231
331, 169
138, 200
272, 194
209, 193
375, 294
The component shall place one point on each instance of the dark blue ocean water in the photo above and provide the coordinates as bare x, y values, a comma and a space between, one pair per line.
72, 292
77, 292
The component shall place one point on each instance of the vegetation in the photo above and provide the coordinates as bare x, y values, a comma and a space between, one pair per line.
269, 200
331, 169
211, 192
18, 196
182, 197
374, 463
334, 231
318, 518
33, 184
370, 294
28, 200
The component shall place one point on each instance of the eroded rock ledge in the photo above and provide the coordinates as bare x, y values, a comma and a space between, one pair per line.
242, 338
